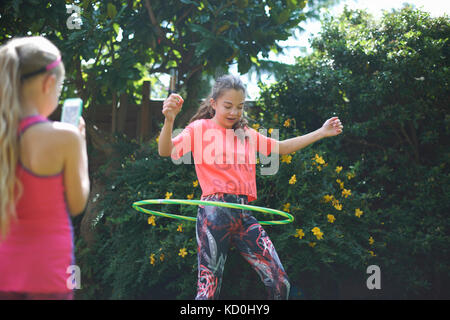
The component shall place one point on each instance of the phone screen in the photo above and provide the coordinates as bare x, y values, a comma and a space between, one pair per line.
71, 111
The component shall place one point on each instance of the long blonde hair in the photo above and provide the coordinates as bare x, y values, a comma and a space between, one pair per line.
223, 83
18, 57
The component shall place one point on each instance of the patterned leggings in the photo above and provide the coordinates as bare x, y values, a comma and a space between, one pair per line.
217, 228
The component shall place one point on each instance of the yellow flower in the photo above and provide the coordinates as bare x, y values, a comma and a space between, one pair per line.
331, 218
338, 169
180, 228
372, 254
286, 207
270, 130
327, 198
168, 195
182, 252
358, 213
341, 184
346, 193
190, 196
299, 233
287, 123
255, 126
312, 244
151, 220
371, 241
316, 231
293, 180
161, 257
195, 183
350, 175
286, 158
152, 259
319, 159
157, 139
319, 168
336, 204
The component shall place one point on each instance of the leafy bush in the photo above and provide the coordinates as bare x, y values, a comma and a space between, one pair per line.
377, 194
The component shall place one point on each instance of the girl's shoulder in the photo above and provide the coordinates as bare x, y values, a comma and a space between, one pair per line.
53, 134
44, 147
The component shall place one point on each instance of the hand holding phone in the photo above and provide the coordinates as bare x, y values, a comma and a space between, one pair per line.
71, 111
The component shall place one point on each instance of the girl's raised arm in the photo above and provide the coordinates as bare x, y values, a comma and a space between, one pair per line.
331, 127
171, 107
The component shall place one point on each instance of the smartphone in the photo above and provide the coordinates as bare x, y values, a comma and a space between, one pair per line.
173, 81
71, 111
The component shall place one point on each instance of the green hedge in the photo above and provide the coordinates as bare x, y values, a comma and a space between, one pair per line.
387, 80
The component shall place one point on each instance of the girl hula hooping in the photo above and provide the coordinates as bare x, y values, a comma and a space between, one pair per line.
43, 174
220, 133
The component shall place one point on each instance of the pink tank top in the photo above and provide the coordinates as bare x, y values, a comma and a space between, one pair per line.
39, 247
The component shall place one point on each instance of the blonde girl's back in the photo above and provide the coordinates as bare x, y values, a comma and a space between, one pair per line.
47, 148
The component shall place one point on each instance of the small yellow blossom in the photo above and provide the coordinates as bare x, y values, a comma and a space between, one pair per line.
152, 259
287, 123
338, 207
299, 233
180, 228
157, 139
338, 169
270, 130
331, 218
316, 231
161, 257
341, 184
350, 175
371, 241
346, 193
182, 252
319, 159
293, 180
312, 244
372, 254
195, 183
286, 158
286, 207
255, 126
151, 220
319, 168
190, 196
327, 198
358, 213
168, 195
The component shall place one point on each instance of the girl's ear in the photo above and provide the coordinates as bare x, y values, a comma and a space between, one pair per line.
48, 83
212, 103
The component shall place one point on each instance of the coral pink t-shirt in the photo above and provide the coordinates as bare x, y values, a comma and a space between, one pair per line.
224, 162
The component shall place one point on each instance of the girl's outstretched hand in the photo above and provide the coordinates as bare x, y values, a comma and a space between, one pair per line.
172, 106
332, 127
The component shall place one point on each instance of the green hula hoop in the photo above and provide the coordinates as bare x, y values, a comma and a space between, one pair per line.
137, 206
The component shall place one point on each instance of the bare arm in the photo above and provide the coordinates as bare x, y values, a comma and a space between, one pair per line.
331, 127
76, 175
171, 107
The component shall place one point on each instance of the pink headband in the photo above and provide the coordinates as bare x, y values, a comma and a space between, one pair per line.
53, 64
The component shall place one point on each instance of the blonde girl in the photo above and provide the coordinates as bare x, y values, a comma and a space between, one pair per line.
43, 174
